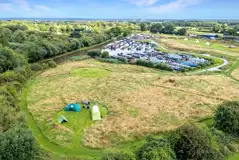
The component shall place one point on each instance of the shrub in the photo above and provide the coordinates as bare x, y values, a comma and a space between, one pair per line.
45, 65
11, 76
140, 62
105, 54
227, 117
25, 71
109, 60
7, 116
52, 64
164, 66
8, 95
94, 53
36, 67
192, 142
79, 58
122, 59
156, 149
117, 156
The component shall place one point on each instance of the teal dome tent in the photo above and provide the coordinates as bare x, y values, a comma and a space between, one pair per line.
73, 108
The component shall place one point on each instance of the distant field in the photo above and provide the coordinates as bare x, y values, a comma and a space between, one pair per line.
139, 101
215, 47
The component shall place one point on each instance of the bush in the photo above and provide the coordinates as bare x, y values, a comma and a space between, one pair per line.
7, 116
79, 58
36, 67
11, 76
117, 156
140, 62
94, 53
156, 149
105, 54
45, 65
227, 117
109, 60
192, 142
8, 95
164, 66
52, 64
122, 59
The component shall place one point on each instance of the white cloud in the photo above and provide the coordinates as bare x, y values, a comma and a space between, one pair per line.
174, 6
42, 7
6, 7
142, 2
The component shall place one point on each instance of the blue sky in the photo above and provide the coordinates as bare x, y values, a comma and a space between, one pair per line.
156, 9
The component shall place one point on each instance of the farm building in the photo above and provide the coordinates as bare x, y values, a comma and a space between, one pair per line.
62, 119
95, 113
73, 107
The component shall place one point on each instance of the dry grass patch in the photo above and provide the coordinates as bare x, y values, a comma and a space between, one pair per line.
235, 73
139, 101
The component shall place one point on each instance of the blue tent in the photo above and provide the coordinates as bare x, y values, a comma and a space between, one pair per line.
73, 107
189, 63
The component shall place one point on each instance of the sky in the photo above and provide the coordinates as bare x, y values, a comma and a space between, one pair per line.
120, 9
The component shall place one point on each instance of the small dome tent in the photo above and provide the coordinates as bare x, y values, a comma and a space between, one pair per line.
62, 119
73, 107
95, 113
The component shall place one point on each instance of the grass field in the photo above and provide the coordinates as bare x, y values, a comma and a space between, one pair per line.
139, 101
235, 73
215, 47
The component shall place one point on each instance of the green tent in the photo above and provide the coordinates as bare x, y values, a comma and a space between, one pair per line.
62, 119
95, 113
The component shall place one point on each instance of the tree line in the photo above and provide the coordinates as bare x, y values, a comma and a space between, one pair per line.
231, 29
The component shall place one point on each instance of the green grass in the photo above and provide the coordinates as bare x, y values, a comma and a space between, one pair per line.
233, 157
90, 72
78, 121
71, 151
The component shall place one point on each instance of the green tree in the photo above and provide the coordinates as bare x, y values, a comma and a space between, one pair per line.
169, 29
182, 31
9, 59
53, 28
156, 28
19, 36
227, 117
143, 27
74, 44
34, 51
4, 36
191, 142
225, 28
216, 28
32, 38
18, 144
